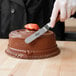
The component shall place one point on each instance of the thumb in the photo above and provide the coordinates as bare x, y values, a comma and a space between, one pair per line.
54, 15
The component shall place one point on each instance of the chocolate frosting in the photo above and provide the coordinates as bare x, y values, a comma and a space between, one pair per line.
42, 47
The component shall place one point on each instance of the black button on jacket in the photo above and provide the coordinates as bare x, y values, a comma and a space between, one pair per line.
14, 14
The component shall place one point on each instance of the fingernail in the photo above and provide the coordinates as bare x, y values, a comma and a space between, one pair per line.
52, 26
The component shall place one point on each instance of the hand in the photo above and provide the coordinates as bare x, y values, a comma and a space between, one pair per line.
65, 8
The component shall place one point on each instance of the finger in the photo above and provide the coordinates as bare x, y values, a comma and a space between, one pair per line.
73, 11
73, 7
69, 8
63, 13
54, 15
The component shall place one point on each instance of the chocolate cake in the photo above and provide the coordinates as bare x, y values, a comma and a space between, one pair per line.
43, 47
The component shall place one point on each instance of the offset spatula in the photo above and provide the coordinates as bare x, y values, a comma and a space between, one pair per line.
37, 34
